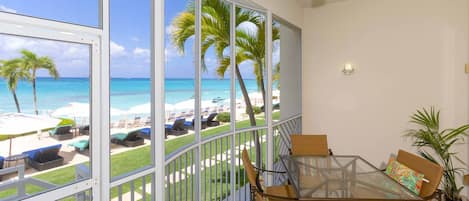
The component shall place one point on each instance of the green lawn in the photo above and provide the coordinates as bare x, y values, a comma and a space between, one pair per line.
134, 159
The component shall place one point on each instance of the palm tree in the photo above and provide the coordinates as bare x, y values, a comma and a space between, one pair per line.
215, 33
215, 27
435, 144
276, 75
32, 63
252, 43
12, 71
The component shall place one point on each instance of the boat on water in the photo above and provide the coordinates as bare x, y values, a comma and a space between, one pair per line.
217, 99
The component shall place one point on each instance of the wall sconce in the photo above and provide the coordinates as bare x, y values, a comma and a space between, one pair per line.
348, 69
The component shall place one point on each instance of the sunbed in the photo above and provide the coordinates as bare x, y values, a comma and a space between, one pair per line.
177, 128
129, 139
61, 132
210, 120
81, 145
45, 157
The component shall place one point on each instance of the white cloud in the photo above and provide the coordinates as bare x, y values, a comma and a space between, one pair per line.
141, 52
71, 59
169, 29
117, 50
210, 61
6, 9
170, 52
248, 26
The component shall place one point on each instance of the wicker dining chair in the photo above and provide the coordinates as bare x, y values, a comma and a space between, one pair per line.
431, 171
466, 179
311, 145
271, 193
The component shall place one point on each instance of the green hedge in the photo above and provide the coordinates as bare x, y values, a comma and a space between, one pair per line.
223, 117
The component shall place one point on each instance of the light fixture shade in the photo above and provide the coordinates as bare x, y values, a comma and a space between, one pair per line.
348, 69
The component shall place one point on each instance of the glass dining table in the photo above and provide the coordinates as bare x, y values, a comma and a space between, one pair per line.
341, 178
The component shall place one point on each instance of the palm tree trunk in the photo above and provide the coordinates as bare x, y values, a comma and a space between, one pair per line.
247, 101
263, 90
34, 92
16, 101
252, 118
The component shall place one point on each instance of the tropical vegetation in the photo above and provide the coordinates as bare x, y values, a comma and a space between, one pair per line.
32, 63
25, 68
215, 33
435, 144
12, 71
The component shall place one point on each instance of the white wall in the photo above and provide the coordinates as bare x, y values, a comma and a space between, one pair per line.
408, 54
290, 71
289, 10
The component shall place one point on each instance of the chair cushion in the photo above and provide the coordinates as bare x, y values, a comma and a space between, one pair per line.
188, 123
404, 175
1, 162
81, 144
145, 131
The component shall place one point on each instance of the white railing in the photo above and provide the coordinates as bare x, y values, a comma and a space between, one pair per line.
20, 183
218, 174
220, 169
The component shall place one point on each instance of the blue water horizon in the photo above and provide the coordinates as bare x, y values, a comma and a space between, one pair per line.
125, 92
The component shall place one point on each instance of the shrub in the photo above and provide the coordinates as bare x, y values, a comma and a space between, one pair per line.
255, 109
223, 117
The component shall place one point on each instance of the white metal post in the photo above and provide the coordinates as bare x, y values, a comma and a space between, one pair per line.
268, 101
233, 98
158, 98
100, 92
197, 80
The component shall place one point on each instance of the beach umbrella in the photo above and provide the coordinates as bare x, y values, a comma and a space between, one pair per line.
168, 107
140, 109
75, 109
15, 124
146, 108
184, 105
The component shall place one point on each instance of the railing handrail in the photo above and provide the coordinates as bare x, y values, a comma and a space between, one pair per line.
174, 155
288, 119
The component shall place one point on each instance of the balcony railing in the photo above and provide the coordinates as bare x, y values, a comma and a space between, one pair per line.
216, 173
219, 174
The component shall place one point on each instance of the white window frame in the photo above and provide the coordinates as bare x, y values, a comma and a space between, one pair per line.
25, 26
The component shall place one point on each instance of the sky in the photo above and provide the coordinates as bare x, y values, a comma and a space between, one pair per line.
129, 45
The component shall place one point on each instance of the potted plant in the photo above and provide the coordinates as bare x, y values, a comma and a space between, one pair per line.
435, 145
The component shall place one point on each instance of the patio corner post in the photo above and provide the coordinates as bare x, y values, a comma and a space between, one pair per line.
197, 84
100, 163
233, 99
268, 102
157, 99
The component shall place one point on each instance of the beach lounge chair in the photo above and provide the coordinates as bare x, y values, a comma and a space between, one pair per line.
129, 139
177, 128
61, 132
81, 145
1, 162
145, 133
84, 130
210, 120
45, 158
190, 124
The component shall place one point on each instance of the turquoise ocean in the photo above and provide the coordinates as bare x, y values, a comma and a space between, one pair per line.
125, 92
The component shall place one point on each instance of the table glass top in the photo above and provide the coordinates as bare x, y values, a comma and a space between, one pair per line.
344, 177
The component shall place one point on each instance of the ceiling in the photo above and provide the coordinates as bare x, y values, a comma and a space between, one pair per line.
311, 3
315, 3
